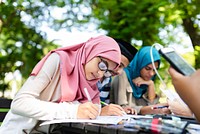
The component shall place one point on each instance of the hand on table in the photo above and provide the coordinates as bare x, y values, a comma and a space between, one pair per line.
87, 110
130, 110
150, 110
164, 110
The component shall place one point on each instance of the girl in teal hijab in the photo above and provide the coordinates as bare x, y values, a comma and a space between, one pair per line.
133, 70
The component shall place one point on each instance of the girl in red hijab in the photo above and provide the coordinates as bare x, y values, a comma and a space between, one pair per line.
55, 88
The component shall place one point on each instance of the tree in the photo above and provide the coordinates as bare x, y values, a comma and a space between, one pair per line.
186, 13
21, 46
142, 20
133, 20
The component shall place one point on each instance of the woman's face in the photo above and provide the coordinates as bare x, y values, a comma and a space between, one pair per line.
148, 72
94, 68
124, 63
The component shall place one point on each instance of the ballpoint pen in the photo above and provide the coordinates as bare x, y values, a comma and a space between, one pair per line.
87, 94
159, 107
104, 103
90, 100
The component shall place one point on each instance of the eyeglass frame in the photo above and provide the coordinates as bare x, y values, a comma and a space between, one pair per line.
107, 71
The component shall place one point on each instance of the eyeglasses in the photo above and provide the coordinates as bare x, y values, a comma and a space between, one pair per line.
103, 66
121, 65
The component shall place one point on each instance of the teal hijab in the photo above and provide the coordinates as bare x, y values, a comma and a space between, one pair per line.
140, 60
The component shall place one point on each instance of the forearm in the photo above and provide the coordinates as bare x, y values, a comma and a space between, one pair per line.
35, 98
146, 110
150, 110
151, 91
185, 94
188, 90
43, 110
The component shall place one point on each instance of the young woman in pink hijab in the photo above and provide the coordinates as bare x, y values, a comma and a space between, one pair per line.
55, 88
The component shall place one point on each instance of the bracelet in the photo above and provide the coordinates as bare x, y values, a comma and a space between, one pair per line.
151, 98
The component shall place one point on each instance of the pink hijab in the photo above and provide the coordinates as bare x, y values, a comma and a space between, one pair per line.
72, 61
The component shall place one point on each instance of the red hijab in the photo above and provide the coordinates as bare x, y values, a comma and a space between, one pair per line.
72, 61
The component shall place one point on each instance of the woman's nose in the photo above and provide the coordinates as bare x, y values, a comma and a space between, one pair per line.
119, 71
100, 74
152, 72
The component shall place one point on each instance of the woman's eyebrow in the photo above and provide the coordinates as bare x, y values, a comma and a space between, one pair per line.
148, 67
106, 62
151, 67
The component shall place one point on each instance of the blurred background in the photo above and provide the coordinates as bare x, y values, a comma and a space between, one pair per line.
31, 28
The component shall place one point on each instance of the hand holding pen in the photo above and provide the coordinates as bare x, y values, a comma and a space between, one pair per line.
112, 109
126, 110
87, 110
160, 109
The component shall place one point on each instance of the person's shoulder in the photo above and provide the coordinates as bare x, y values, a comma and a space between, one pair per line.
123, 74
52, 62
54, 56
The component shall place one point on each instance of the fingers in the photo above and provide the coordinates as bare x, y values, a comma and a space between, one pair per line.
135, 112
130, 110
116, 110
112, 109
162, 108
116, 106
174, 73
138, 81
162, 111
165, 111
89, 114
94, 111
88, 110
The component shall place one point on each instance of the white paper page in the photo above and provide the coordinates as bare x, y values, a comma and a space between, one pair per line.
193, 128
99, 120
173, 95
137, 116
170, 95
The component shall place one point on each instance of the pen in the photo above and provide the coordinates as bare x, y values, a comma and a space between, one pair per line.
159, 107
87, 94
104, 103
107, 105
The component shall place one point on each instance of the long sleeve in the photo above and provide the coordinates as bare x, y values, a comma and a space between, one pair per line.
118, 90
39, 95
122, 94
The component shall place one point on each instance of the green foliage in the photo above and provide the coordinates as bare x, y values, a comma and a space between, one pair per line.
197, 54
129, 19
21, 46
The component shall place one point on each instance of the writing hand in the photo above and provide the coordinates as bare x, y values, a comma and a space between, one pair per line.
112, 109
87, 110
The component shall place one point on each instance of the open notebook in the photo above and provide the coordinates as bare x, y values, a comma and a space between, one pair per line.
99, 120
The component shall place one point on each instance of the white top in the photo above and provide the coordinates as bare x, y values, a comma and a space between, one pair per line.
38, 100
